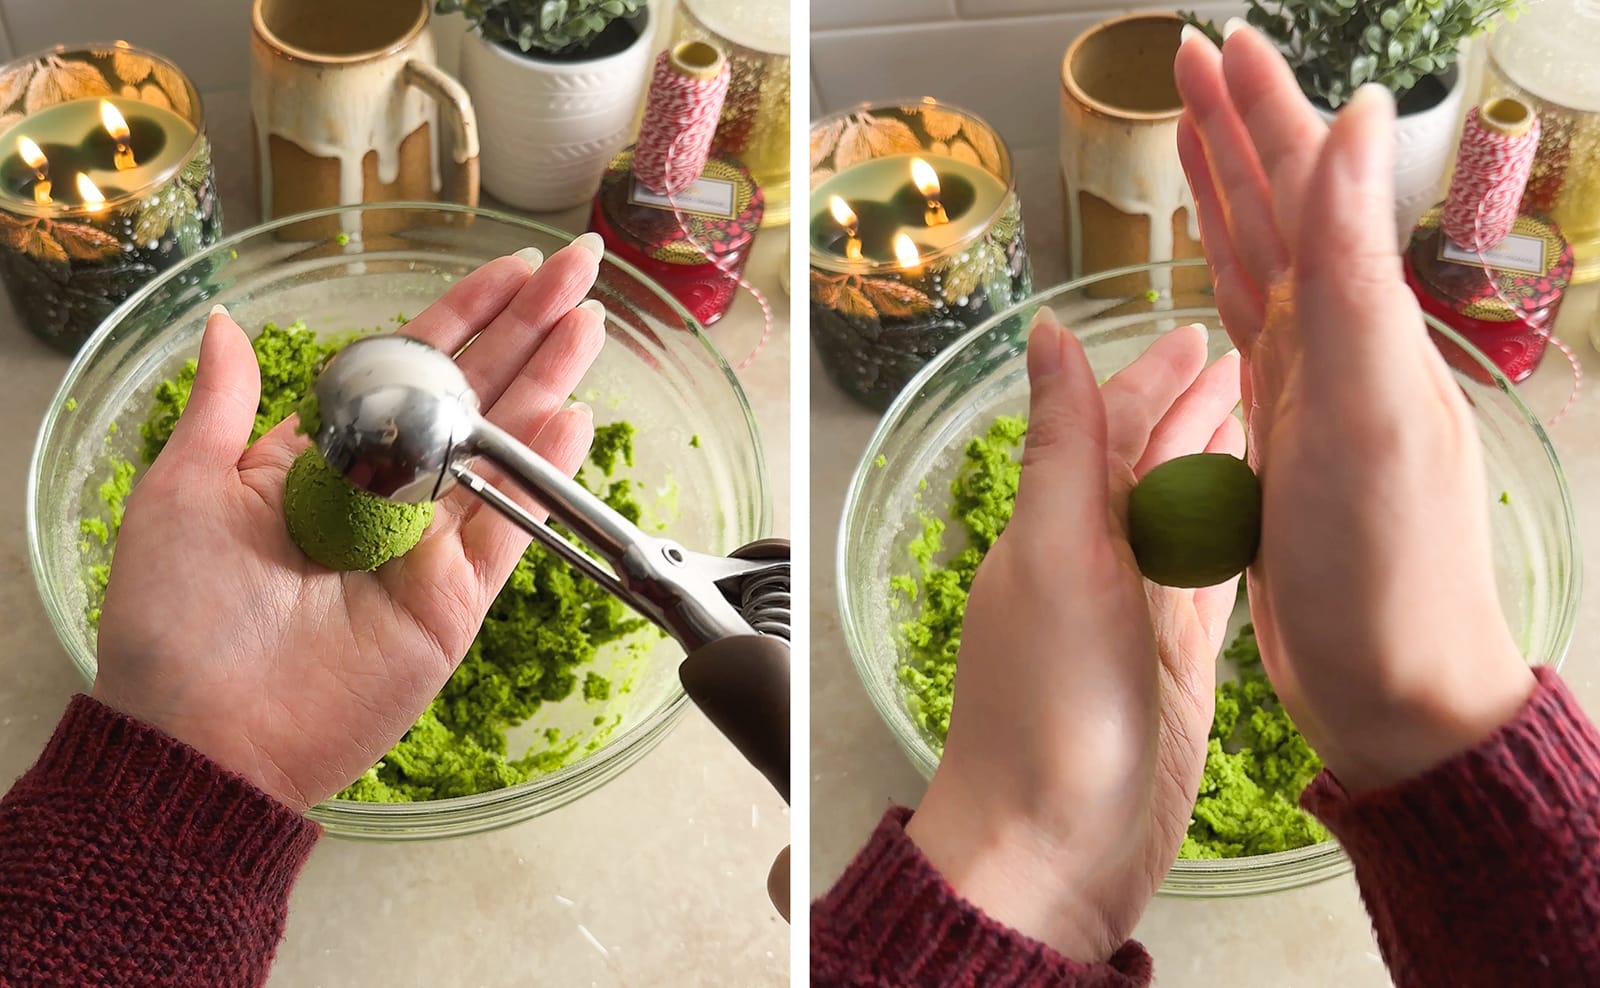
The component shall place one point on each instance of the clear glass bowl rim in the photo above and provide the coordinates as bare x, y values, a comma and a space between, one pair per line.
1232, 876
460, 815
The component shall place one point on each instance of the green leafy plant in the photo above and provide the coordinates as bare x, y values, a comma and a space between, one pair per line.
552, 27
1336, 46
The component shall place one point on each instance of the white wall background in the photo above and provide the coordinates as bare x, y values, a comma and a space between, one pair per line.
999, 58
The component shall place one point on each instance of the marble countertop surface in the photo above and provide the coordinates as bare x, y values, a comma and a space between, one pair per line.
658, 878
1316, 936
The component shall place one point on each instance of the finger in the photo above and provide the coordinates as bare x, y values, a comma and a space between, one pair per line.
455, 318
494, 360
778, 883
1240, 303
1064, 456
542, 386
1196, 416
1286, 131
1357, 328
491, 542
1214, 605
1235, 167
1139, 396
215, 426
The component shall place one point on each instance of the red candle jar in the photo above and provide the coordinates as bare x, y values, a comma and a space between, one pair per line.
1504, 303
698, 260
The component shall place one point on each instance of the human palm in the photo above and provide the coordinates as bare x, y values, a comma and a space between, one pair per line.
218, 630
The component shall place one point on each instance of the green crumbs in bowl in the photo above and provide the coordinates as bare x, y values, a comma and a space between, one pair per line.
537, 645
1256, 762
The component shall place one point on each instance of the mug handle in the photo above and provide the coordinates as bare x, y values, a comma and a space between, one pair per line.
455, 103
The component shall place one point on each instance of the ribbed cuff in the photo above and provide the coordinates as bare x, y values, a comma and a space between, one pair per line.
894, 918
1512, 798
172, 795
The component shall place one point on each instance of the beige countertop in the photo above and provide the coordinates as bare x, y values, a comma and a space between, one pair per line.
659, 878
1316, 936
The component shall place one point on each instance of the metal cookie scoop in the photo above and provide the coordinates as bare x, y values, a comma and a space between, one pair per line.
399, 420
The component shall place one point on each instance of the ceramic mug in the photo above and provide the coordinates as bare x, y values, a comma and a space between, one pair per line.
1123, 190
345, 101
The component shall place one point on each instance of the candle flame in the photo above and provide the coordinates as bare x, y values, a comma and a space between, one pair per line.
906, 252
842, 213
90, 193
925, 178
31, 153
115, 125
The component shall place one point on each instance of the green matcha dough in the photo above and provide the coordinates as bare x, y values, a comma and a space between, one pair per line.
1256, 762
343, 527
537, 645
1195, 521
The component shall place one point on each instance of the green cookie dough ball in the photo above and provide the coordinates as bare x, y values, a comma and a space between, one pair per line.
341, 526
1195, 521
310, 412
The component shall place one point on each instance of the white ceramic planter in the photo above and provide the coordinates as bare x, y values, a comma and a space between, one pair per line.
1424, 144
548, 129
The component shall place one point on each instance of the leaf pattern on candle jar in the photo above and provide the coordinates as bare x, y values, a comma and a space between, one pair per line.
33, 238
823, 140
14, 82
173, 205
984, 261
198, 169
130, 66
173, 84
84, 242
864, 137
870, 299
57, 80
941, 125
895, 299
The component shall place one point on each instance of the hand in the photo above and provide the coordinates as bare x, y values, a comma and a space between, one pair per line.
220, 632
1083, 693
1373, 595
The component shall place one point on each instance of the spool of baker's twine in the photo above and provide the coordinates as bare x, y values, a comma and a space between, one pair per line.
683, 151
680, 117
1492, 169
1489, 220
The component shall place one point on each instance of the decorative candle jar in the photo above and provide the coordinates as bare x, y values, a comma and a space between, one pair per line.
755, 117
105, 180
916, 236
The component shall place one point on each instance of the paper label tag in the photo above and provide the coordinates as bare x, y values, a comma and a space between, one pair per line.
1516, 252
712, 197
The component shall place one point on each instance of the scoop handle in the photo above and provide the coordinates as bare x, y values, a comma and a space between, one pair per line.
741, 684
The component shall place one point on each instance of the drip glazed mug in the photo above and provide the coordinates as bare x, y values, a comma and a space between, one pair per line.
345, 104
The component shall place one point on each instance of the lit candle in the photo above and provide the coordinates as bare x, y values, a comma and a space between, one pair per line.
117, 127
133, 191
927, 182
846, 218
93, 199
35, 159
916, 237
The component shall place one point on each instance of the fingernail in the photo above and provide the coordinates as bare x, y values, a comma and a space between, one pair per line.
594, 305
1044, 345
1233, 352
531, 256
1234, 26
1369, 92
1190, 33
582, 408
592, 243
217, 310
1200, 327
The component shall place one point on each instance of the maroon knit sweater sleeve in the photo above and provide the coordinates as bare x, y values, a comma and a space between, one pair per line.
128, 858
892, 921
1485, 871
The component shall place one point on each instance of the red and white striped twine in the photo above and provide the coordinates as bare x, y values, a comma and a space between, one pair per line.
682, 150
680, 119
1491, 173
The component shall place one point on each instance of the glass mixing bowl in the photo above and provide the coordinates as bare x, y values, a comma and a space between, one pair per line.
957, 396
658, 371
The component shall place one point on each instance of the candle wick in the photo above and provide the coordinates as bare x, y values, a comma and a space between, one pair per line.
936, 215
